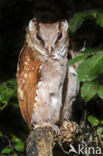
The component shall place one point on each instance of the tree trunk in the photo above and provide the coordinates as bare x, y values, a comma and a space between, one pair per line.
42, 140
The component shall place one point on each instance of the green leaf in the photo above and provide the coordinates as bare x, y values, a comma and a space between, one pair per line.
95, 139
80, 17
92, 50
76, 21
84, 54
12, 82
99, 19
15, 139
15, 154
93, 120
6, 151
1, 134
14, 104
77, 59
89, 90
92, 13
100, 92
19, 147
7, 91
100, 130
90, 68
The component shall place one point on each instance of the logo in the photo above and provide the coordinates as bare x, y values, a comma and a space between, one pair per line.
72, 149
84, 149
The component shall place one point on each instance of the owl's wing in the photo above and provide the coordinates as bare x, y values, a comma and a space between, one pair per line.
27, 81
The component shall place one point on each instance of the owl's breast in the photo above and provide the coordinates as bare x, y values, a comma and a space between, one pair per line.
48, 101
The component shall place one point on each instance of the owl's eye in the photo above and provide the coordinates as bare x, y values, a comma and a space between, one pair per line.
59, 36
39, 37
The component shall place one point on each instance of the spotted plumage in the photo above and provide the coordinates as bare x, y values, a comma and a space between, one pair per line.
41, 74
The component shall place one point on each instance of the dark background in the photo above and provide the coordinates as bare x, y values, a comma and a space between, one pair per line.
15, 15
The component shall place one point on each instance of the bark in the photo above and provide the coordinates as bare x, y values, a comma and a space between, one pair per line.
42, 140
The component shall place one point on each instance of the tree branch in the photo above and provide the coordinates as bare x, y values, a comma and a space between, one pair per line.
42, 140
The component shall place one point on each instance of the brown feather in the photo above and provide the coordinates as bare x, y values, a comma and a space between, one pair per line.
27, 80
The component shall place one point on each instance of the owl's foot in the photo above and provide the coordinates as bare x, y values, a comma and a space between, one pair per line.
70, 126
69, 131
55, 128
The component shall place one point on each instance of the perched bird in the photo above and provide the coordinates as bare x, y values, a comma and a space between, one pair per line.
44, 87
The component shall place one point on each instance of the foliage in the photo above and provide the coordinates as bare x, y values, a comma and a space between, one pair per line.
90, 68
93, 120
7, 91
14, 147
80, 17
91, 60
89, 90
92, 133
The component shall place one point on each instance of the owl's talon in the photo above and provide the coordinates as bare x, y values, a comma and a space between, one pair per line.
56, 130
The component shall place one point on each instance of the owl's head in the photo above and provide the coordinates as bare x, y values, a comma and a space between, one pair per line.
50, 40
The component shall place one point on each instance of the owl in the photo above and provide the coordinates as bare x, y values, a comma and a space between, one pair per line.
43, 76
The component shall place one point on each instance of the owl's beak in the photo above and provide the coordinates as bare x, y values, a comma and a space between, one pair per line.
50, 49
